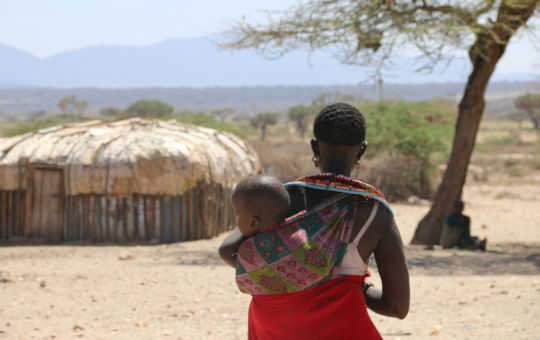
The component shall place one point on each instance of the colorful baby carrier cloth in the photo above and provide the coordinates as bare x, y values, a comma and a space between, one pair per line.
291, 269
304, 250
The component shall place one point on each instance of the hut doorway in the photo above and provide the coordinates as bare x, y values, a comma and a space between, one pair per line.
44, 204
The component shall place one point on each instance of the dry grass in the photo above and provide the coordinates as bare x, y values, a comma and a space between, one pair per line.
505, 148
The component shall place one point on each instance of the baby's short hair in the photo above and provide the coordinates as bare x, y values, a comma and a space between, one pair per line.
264, 196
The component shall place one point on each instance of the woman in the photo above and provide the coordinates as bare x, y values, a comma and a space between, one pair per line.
334, 306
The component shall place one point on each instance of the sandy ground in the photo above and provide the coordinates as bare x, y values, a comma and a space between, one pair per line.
183, 291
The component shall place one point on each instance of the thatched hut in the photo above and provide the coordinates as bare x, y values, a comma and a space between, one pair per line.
130, 180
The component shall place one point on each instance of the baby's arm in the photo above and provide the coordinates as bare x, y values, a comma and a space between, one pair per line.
229, 247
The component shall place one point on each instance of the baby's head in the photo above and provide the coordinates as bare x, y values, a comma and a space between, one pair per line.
259, 202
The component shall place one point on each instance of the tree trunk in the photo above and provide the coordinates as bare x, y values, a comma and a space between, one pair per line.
484, 55
536, 124
263, 132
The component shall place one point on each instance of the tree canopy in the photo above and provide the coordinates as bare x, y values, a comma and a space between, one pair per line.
370, 32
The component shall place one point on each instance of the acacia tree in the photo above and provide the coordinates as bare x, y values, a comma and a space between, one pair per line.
70, 105
67, 104
261, 121
300, 114
531, 105
360, 32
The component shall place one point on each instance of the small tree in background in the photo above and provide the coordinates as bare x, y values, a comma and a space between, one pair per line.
71, 106
261, 121
300, 115
67, 104
530, 103
149, 109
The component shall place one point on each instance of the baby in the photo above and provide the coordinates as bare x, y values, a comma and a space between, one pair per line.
259, 202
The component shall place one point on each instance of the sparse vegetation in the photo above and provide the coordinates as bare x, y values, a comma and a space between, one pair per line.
407, 140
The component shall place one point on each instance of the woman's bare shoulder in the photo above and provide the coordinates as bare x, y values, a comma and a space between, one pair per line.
305, 198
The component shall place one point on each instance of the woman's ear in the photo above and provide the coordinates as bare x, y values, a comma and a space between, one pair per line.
315, 147
363, 149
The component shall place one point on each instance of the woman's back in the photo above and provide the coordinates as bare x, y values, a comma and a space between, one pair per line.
381, 238
306, 198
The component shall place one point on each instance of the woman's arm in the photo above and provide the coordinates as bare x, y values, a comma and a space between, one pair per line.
394, 298
228, 249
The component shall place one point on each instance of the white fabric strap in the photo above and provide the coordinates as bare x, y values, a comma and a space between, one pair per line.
366, 225
303, 191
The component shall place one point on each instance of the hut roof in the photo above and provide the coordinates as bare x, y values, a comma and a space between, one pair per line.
128, 156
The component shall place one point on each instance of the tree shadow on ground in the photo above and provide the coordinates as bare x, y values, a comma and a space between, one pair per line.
187, 257
506, 259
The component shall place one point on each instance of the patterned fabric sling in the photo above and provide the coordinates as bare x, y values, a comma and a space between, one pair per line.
304, 250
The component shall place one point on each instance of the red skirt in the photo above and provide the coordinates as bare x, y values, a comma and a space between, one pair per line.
333, 310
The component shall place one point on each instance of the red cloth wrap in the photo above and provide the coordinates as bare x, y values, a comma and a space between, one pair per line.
333, 310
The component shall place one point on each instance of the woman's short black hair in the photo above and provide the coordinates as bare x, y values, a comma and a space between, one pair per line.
340, 124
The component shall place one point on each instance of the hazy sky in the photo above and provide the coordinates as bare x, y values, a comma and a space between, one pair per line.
47, 27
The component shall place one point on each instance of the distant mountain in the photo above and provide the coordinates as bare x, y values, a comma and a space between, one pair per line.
199, 62
18, 68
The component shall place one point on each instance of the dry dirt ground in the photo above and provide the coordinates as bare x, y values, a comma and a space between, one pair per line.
184, 291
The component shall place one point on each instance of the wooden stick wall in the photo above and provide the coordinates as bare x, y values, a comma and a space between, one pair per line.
202, 212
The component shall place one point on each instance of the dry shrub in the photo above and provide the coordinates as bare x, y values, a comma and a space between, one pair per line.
398, 179
285, 158
289, 157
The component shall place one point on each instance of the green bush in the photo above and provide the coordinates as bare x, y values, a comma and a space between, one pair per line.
411, 130
149, 109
